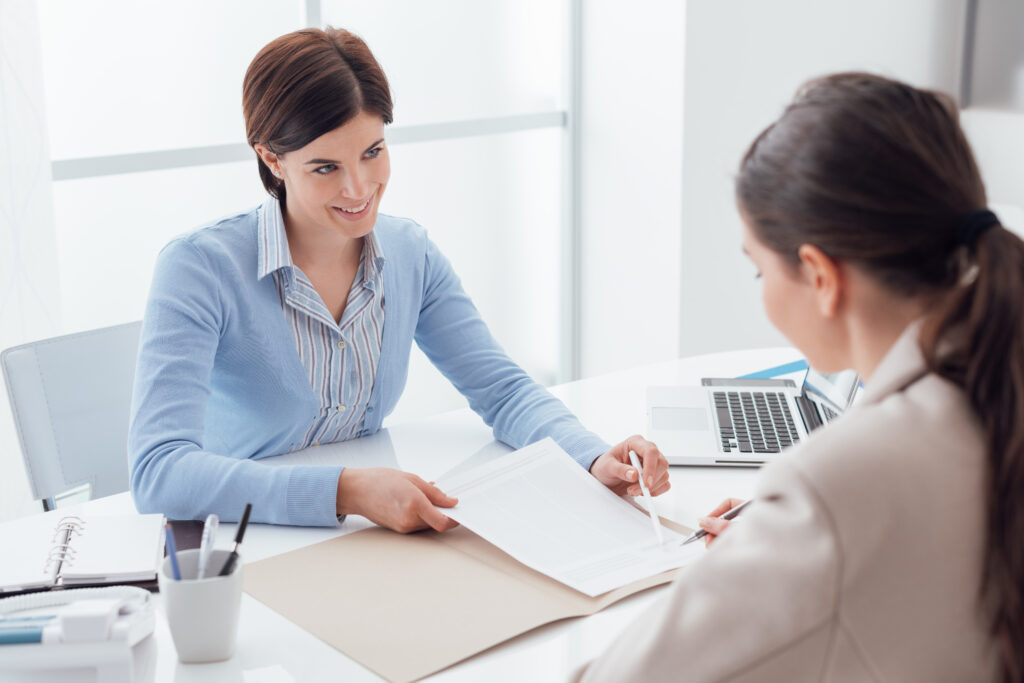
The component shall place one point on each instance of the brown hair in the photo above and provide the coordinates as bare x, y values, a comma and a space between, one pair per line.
879, 174
305, 84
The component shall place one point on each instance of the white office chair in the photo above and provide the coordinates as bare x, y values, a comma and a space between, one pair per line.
71, 399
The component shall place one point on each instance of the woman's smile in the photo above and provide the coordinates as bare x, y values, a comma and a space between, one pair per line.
357, 212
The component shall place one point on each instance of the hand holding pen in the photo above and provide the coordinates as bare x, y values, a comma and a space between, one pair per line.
229, 564
717, 520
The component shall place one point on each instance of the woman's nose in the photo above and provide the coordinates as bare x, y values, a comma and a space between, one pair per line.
354, 185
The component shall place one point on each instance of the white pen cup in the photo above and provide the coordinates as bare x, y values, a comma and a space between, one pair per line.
202, 613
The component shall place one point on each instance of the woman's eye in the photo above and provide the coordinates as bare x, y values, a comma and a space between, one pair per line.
324, 170
374, 153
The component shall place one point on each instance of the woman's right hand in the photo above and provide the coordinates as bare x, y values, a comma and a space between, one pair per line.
712, 524
397, 500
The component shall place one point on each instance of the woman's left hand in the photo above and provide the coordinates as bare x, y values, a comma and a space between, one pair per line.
614, 470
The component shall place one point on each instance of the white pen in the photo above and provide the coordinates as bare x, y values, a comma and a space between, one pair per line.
647, 496
206, 545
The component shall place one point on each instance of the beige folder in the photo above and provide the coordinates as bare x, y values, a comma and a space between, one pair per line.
408, 606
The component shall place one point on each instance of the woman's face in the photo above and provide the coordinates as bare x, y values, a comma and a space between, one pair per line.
336, 181
794, 304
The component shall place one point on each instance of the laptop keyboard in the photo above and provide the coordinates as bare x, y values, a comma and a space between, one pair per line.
754, 421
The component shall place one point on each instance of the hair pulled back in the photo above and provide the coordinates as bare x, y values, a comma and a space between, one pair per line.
305, 84
879, 174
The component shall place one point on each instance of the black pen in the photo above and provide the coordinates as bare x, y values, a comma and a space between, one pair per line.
229, 564
701, 533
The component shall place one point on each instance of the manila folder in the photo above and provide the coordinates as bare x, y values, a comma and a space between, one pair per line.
406, 606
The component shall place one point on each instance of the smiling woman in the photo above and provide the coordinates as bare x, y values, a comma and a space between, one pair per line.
291, 325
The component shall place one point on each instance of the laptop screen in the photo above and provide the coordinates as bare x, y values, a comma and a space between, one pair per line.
837, 388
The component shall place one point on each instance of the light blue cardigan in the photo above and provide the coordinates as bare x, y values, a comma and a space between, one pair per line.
219, 383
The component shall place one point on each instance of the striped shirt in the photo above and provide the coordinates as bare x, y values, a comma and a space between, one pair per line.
340, 358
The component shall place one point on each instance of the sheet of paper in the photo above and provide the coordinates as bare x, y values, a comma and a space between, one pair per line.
539, 506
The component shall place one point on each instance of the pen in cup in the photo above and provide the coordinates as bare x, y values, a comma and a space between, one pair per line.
647, 495
229, 564
206, 545
701, 533
171, 552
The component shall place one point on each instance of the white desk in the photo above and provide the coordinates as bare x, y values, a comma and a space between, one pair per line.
612, 405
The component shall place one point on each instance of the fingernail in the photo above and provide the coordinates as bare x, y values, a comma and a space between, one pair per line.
703, 521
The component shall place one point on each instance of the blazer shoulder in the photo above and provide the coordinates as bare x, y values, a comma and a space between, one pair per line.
900, 432
891, 466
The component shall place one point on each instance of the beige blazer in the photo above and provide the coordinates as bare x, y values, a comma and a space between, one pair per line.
860, 559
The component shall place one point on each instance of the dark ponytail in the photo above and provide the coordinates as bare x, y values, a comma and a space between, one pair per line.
879, 174
987, 315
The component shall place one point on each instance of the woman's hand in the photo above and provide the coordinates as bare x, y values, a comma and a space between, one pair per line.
393, 499
614, 470
712, 524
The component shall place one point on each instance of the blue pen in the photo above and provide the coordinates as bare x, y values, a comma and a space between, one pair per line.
171, 552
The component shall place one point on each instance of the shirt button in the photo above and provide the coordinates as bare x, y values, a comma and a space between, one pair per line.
315, 444
341, 407
342, 344
369, 409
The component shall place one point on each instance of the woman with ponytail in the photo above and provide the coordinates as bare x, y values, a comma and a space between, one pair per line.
890, 546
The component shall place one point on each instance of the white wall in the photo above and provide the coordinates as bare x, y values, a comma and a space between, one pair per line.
631, 182
744, 61
28, 266
998, 141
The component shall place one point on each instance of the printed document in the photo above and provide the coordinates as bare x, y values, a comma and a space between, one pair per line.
539, 506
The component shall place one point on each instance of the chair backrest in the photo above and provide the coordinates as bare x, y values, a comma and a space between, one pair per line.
71, 400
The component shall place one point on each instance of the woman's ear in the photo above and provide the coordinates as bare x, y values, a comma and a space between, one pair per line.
824, 274
272, 161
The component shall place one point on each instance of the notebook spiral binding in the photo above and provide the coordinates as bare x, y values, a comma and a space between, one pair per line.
61, 552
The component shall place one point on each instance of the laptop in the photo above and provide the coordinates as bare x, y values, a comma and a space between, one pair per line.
743, 422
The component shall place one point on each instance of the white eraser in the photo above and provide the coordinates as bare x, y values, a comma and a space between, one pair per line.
87, 621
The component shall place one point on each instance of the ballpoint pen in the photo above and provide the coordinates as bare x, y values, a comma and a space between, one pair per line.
647, 495
206, 545
171, 552
229, 564
701, 533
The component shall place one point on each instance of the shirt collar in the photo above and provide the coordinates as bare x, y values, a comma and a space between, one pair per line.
901, 366
274, 254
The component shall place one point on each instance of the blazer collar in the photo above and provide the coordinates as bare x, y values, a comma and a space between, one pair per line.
902, 366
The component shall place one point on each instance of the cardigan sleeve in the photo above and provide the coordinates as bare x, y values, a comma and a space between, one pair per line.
170, 470
454, 337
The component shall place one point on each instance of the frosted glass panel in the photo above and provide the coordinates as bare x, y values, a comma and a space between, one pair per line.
127, 76
462, 59
110, 229
997, 68
493, 205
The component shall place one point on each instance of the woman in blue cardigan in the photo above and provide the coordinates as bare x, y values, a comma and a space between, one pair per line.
291, 325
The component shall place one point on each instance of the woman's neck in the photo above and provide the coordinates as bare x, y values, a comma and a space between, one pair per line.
313, 246
874, 325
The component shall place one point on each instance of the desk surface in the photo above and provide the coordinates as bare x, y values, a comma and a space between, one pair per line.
612, 405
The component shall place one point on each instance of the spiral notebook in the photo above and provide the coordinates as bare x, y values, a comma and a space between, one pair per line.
58, 549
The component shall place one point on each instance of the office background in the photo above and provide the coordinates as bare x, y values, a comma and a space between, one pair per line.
574, 158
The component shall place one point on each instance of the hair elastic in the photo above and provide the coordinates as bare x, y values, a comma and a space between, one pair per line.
971, 225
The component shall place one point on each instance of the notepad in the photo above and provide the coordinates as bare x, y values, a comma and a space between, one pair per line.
58, 549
